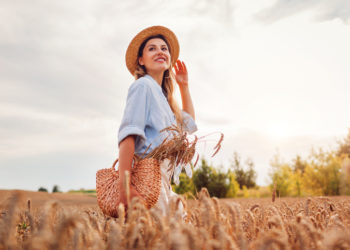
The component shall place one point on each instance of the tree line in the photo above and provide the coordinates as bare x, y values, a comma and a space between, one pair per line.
55, 189
219, 183
320, 173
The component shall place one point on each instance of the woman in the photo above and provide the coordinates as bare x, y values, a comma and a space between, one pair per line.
150, 105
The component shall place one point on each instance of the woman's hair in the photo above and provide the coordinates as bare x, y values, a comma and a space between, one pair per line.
168, 79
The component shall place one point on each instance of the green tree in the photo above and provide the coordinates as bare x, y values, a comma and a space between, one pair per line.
250, 174
343, 152
245, 176
345, 177
55, 189
185, 187
322, 174
281, 176
233, 185
218, 183
344, 146
42, 189
201, 177
298, 164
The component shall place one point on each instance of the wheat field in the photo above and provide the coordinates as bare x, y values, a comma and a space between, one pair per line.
63, 221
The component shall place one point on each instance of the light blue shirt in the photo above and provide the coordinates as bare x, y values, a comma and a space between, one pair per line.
147, 112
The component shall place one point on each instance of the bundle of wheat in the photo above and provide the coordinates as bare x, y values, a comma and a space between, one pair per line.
178, 148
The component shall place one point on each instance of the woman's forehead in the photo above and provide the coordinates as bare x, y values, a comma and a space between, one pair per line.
155, 42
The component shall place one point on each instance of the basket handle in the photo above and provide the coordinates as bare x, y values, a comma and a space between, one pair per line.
135, 159
115, 163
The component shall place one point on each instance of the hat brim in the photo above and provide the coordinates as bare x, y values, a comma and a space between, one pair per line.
131, 55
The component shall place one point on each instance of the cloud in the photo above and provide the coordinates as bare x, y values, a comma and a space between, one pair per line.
53, 57
64, 80
68, 57
324, 10
68, 169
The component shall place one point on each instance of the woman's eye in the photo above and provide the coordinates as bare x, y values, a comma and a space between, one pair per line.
165, 49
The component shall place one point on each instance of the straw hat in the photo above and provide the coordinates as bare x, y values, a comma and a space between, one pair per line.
133, 48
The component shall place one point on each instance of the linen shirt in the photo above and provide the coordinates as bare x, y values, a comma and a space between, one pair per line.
147, 112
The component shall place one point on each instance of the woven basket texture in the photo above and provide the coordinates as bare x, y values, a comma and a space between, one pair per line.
145, 177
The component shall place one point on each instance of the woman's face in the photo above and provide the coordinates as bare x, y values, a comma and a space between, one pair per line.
155, 56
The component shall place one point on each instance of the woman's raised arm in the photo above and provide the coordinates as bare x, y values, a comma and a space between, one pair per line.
181, 77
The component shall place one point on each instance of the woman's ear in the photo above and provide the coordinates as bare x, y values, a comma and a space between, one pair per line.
140, 61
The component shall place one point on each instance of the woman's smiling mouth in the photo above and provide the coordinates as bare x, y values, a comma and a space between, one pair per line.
160, 59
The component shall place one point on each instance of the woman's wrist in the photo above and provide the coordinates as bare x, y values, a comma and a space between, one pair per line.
122, 184
184, 87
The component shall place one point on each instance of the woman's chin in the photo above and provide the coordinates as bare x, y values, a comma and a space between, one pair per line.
159, 69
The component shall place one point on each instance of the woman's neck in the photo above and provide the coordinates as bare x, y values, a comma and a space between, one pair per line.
158, 77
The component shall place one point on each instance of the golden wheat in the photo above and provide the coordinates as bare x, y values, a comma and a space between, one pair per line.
313, 223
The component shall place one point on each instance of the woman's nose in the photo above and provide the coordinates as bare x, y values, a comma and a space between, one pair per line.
159, 51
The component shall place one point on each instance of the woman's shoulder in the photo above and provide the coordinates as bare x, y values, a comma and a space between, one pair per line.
141, 83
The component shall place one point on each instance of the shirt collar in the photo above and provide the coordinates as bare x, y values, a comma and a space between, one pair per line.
154, 81
158, 86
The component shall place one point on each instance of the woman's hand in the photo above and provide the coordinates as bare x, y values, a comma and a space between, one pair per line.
133, 193
181, 75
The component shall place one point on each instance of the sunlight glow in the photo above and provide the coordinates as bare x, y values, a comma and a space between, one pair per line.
278, 129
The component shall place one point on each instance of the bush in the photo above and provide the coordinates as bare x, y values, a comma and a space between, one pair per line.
55, 189
245, 175
185, 187
42, 189
218, 184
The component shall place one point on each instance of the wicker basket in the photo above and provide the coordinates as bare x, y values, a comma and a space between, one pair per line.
145, 177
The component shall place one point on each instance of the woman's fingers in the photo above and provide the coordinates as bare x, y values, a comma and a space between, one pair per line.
176, 68
135, 193
185, 69
179, 65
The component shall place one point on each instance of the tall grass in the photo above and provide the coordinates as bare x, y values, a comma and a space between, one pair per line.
314, 223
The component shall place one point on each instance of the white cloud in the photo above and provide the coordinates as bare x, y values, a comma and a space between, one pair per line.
64, 81
323, 10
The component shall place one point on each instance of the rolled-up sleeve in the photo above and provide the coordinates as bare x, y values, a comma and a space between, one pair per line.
135, 114
188, 122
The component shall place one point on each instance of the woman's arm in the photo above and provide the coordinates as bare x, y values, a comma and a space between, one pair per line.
126, 154
187, 104
181, 77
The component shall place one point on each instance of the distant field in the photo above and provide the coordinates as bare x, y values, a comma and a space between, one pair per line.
38, 199
74, 221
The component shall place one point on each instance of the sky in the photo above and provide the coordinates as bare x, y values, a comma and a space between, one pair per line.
272, 75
